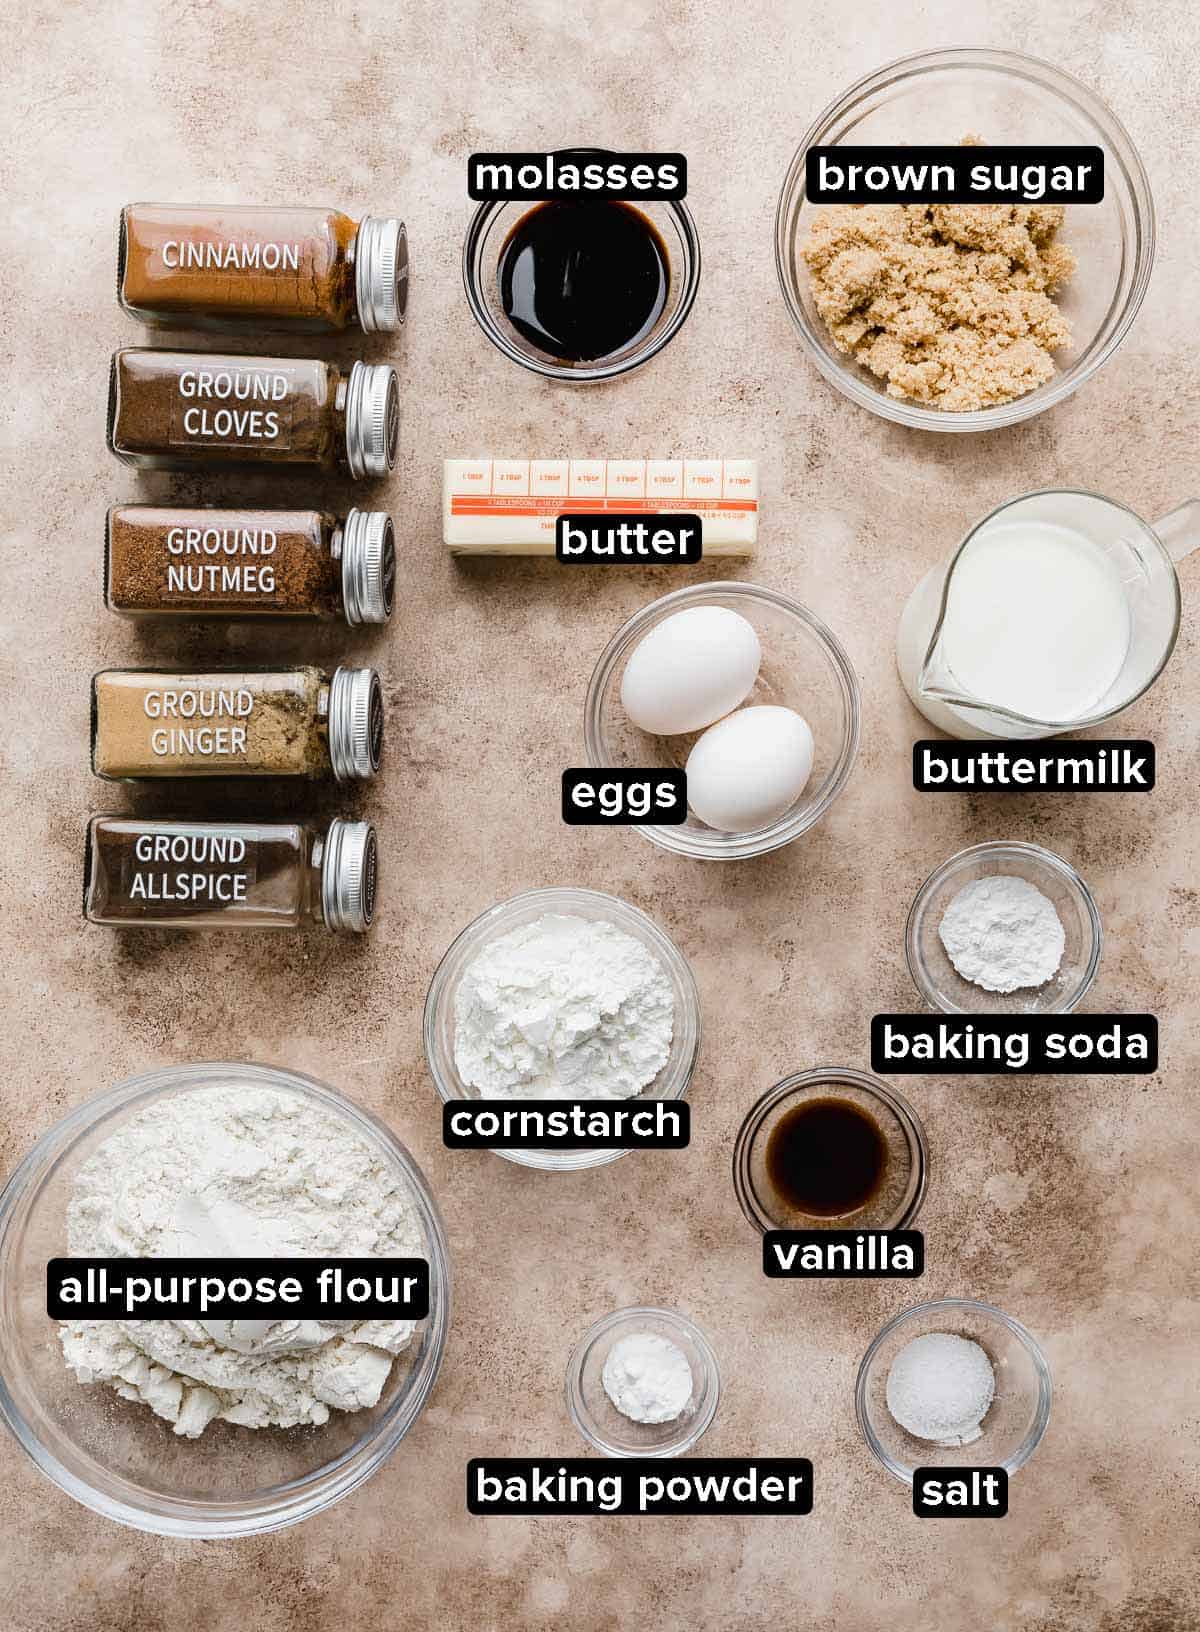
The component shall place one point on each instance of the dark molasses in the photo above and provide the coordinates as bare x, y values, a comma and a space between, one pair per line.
825, 1157
583, 281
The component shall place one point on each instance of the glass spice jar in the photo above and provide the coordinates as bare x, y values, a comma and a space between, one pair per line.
229, 875
175, 410
228, 266
249, 563
241, 722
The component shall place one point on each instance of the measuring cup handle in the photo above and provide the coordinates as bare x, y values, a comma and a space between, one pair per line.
1180, 530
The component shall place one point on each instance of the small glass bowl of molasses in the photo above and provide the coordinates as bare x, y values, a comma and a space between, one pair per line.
831, 1149
581, 290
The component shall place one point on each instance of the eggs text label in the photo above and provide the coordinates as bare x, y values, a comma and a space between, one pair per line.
625, 797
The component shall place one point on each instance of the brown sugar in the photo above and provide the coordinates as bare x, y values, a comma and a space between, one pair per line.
951, 305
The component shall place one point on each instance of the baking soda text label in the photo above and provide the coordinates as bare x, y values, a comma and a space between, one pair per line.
798, 1255
1024, 1044
603, 539
566, 1124
237, 1288
960, 1493
643, 1485
576, 174
1060, 766
625, 797
954, 175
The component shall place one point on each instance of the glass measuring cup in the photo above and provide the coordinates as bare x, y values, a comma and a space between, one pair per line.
1144, 557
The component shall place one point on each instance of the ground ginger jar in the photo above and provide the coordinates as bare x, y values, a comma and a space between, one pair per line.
148, 723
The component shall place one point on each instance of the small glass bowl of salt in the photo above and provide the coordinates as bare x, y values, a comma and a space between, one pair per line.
1013, 1411
628, 1386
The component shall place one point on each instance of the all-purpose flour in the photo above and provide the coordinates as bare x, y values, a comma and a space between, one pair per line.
238, 1172
563, 1007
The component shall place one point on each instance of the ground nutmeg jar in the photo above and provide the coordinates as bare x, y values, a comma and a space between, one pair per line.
176, 410
249, 563
275, 268
247, 722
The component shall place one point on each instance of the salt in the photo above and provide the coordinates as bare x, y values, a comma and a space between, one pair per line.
940, 1387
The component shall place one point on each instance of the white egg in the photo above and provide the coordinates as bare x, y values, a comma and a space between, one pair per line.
747, 769
690, 669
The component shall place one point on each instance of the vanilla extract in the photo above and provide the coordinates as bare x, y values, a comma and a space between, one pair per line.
826, 1158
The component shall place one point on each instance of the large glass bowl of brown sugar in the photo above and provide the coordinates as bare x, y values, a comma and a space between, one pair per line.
938, 332
124, 1457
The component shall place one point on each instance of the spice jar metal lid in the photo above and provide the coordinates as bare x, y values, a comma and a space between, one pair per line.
381, 273
372, 419
355, 723
368, 566
349, 874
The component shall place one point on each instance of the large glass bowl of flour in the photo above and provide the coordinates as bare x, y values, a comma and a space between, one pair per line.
115, 1455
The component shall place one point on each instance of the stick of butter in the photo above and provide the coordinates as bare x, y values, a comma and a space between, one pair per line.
509, 506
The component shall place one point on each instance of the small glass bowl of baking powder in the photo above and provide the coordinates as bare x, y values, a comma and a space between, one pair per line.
935, 98
804, 667
609, 1430
1015, 1421
936, 978
440, 1017
116, 1456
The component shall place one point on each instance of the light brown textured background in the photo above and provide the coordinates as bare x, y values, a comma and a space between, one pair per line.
1072, 1203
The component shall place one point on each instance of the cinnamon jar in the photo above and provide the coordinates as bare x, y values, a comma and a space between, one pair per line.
228, 266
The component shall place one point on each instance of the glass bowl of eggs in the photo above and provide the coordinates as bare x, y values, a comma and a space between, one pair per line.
750, 694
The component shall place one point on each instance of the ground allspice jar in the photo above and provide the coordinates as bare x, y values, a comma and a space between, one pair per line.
229, 875
175, 410
275, 268
247, 563
251, 722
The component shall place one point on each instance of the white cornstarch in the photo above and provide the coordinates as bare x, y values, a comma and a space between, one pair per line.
940, 1387
227, 1172
563, 1008
1002, 933
647, 1377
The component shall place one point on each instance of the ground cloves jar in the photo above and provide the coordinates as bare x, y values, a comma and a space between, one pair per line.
177, 410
